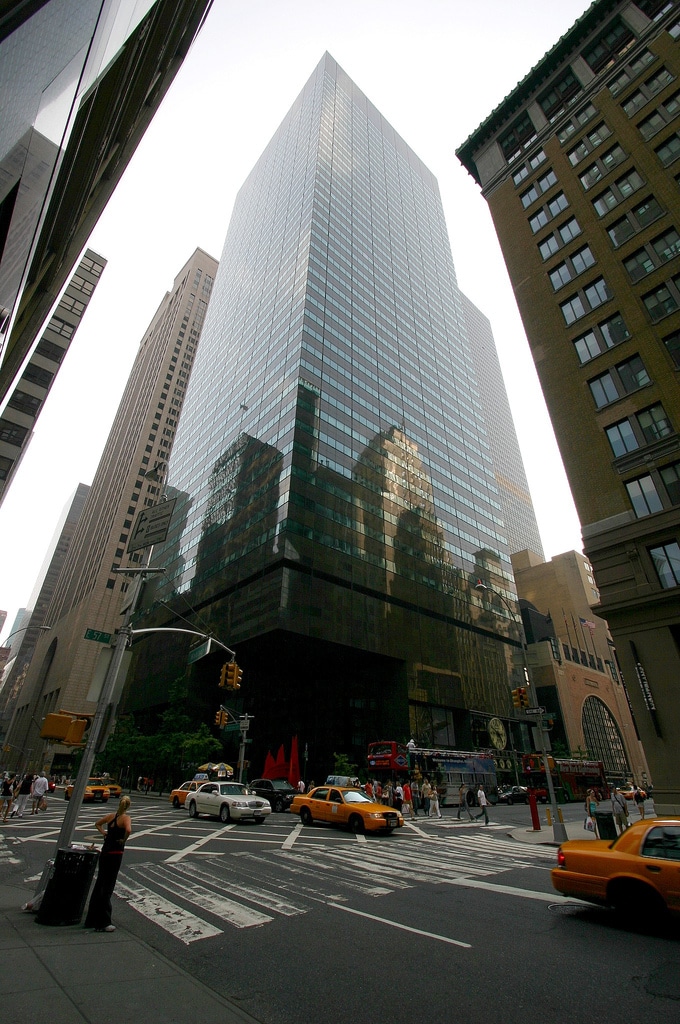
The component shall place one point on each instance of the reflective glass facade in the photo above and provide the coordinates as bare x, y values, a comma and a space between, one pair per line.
337, 495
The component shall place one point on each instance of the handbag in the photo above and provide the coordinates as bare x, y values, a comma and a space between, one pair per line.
589, 824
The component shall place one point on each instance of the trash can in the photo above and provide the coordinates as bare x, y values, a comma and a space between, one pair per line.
68, 887
606, 827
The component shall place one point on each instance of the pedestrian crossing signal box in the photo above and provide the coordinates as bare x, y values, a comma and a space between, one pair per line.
65, 728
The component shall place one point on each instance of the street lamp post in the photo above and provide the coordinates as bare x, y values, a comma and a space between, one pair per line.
559, 831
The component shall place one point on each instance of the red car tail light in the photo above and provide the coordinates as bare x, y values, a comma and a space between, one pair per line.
561, 859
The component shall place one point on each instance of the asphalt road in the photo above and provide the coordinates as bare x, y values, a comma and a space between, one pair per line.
443, 921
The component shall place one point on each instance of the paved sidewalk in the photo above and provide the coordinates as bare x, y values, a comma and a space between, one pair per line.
68, 975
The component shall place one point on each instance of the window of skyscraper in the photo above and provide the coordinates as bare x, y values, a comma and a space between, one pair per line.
643, 496
666, 558
669, 151
654, 423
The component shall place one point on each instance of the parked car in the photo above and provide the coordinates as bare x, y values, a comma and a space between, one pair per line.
513, 795
343, 806
179, 795
278, 792
94, 790
638, 873
229, 801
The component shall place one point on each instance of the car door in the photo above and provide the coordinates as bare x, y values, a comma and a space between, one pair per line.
318, 803
337, 809
206, 798
660, 855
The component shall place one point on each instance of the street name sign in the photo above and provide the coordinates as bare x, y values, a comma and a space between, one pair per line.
96, 634
199, 652
534, 711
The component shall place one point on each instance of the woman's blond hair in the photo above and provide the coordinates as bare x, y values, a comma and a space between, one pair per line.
123, 805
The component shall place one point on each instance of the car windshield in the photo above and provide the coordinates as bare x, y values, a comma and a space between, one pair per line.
355, 796
232, 789
281, 784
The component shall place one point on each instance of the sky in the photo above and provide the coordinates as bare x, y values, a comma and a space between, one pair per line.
434, 68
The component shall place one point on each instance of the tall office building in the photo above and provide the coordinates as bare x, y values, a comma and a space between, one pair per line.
80, 82
580, 165
337, 496
88, 593
39, 371
21, 700
521, 528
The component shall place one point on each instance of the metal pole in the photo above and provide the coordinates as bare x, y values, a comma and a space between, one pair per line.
74, 807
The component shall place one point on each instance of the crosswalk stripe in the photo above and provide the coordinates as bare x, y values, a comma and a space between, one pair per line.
173, 919
252, 893
226, 909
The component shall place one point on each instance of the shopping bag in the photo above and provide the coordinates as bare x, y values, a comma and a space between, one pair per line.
589, 824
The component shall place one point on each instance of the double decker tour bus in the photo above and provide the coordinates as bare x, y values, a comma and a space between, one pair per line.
571, 778
449, 769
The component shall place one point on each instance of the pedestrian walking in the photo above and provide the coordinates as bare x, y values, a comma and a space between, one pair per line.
21, 795
415, 794
434, 803
116, 834
483, 802
38, 791
463, 801
620, 810
7, 794
639, 797
590, 807
408, 800
426, 794
398, 796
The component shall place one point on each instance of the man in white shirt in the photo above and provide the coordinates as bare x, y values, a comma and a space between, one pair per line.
483, 803
38, 790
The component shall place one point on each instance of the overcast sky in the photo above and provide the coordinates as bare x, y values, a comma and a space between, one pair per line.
434, 68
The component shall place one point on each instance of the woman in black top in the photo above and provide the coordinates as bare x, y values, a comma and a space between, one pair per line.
118, 828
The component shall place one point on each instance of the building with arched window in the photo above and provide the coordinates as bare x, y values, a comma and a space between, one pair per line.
574, 665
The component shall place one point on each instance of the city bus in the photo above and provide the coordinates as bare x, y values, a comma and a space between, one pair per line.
571, 778
448, 769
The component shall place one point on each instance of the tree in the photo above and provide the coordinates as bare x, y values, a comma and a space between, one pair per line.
343, 766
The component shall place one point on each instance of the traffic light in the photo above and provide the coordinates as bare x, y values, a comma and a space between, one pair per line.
223, 675
234, 676
516, 698
221, 718
523, 697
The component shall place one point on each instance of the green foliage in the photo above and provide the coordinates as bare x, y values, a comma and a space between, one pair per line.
172, 754
343, 766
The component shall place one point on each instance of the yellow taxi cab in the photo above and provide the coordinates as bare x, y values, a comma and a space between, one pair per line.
638, 873
341, 805
178, 796
95, 789
115, 791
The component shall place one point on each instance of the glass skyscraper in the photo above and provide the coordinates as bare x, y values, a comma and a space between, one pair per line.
337, 498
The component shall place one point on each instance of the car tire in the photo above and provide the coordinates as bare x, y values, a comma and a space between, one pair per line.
193, 813
510, 801
278, 806
356, 823
225, 814
175, 801
306, 816
635, 902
